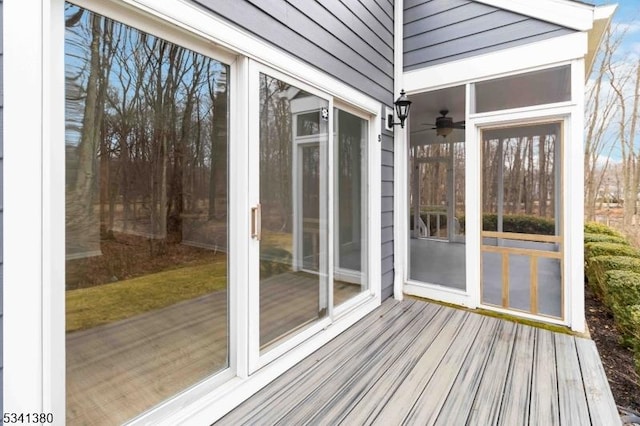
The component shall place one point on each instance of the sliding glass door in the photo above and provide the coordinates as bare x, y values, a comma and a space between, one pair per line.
308, 177
293, 215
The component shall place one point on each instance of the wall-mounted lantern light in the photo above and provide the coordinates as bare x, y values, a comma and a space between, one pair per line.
402, 110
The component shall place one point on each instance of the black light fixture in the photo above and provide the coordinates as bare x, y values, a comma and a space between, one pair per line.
402, 110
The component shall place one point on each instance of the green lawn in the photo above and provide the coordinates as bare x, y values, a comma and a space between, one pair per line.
89, 307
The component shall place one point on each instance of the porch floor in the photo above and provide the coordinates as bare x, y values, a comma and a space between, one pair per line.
413, 362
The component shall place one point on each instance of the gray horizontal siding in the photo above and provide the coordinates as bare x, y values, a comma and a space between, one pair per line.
439, 31
352, 40
349, 39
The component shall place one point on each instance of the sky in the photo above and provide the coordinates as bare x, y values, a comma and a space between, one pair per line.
628, 14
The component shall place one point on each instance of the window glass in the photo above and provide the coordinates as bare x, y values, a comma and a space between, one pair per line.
146, 218
522, 90
293, 192
350, 205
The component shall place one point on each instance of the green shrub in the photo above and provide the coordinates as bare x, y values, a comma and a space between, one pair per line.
604, 238
598, 266
609, 249
623, 292
599, 228
628, 323
523, 224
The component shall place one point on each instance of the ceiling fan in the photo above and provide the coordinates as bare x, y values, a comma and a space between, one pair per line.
445, 125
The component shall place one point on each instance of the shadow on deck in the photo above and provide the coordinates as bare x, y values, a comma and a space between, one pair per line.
419, 363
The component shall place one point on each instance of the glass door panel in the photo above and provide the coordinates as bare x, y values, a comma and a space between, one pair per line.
521, 229
350, 206
146, 218
293, 145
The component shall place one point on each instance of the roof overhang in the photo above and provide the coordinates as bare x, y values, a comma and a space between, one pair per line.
593, 20
601, 20
569, 14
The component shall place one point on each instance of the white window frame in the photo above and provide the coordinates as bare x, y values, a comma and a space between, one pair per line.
34, 336
558, 51
256, 359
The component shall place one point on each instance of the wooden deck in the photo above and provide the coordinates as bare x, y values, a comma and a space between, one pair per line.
418, 363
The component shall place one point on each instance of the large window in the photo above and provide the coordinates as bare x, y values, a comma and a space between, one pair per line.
146, 218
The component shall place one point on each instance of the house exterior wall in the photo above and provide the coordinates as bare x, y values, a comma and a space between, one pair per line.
440, 31
351, 40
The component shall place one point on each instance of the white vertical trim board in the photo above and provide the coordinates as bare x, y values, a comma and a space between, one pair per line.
23, 270
573, 208
239, 220
53, 205
400, 146
473, 202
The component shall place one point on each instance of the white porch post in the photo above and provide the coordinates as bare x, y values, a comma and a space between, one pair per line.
573, 210
399, 164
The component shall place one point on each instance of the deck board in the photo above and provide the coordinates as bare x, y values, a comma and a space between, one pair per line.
488, 400
544, 386
458, 405
312, 370
593, 375
514, 409
572, 399
413, 362
350, 394
433, 396
399, 406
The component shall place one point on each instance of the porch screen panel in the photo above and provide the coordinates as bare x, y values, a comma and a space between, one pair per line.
437, 210
146, 218
521, 227
533, 88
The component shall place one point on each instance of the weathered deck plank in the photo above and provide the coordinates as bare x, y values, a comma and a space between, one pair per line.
544, 387
434, 394
593, 375
392, 377
457, 407
419, 363
572, 399
339, 385
517, 391
312, 372
486, 405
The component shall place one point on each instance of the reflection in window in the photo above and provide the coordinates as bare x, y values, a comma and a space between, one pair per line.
350, 205
293, 194
146, 218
